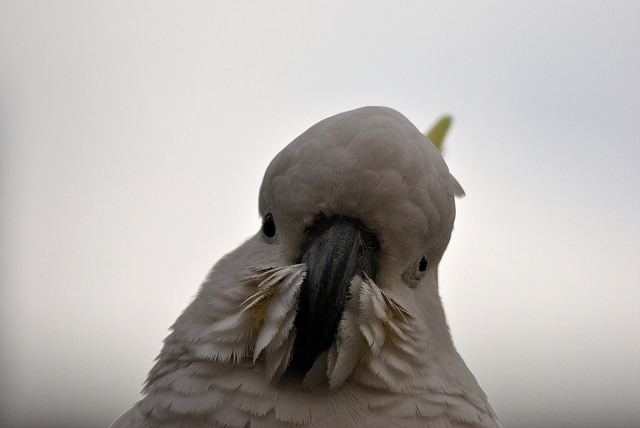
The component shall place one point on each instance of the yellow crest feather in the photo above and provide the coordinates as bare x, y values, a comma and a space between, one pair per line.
438, 131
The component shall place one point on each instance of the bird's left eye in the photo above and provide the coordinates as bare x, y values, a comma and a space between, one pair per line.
423, 264
269, 226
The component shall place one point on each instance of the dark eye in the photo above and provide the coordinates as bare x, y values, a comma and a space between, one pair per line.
269, 226
423, 264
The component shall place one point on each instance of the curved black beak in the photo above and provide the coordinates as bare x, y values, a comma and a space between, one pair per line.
336, 250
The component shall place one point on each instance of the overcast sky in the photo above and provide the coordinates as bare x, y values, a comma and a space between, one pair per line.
134, 137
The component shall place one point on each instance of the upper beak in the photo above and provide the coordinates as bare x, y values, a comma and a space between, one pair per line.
336, 251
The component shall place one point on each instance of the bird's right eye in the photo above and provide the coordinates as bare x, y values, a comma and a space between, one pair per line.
269, 226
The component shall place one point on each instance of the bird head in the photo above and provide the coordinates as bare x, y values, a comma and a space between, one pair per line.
361, 196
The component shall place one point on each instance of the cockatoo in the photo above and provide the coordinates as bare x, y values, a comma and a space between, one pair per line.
330, 314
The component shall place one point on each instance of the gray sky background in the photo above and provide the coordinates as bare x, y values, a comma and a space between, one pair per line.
134, 136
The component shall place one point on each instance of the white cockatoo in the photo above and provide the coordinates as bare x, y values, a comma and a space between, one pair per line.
330, 315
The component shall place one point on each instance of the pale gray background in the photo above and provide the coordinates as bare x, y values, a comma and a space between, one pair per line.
134, 136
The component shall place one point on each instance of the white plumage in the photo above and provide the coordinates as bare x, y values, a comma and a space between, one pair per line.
361, 201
